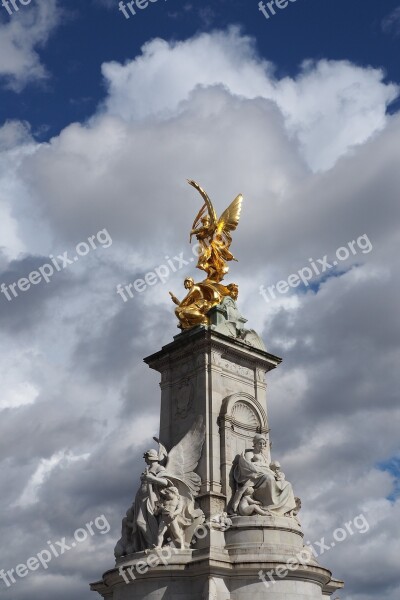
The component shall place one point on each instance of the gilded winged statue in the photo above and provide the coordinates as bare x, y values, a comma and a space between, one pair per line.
214, 237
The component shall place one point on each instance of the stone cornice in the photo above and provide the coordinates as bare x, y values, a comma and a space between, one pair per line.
205, 340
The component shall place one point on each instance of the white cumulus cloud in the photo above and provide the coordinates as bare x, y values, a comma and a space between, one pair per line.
21, 35
329, 107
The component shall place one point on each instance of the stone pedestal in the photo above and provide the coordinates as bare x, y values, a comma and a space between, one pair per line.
220, 377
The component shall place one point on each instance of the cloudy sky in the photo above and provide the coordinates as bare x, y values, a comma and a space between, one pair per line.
103, 118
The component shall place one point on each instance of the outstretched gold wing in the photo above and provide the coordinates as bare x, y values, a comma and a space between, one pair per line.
208, 205
229, 219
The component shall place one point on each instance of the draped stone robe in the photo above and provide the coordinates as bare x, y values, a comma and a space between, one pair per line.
275, 495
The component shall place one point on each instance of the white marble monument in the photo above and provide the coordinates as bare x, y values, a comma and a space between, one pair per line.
214, 517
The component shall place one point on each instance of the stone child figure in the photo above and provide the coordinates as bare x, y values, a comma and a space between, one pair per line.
170, 509
248, 506
276, 468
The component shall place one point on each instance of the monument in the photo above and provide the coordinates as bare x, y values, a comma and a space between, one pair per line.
214, 517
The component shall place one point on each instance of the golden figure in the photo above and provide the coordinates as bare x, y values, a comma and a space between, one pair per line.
201, 297
214, 237
194, 307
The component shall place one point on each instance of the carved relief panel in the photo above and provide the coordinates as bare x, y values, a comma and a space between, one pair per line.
183, 398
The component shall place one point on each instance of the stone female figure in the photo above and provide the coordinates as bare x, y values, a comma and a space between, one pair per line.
253, 470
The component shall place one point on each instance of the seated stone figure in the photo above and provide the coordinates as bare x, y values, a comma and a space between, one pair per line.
248, 506
274, 493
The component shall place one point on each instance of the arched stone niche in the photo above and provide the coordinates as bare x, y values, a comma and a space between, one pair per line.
241, 417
